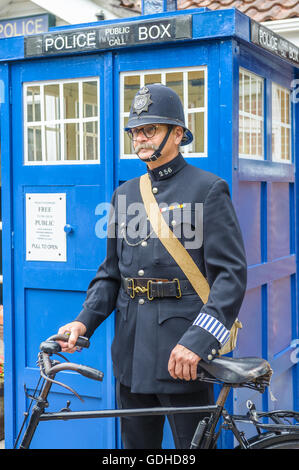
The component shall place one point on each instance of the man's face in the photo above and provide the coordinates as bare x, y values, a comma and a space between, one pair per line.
147, 139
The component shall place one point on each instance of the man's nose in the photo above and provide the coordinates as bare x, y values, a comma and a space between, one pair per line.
141, 137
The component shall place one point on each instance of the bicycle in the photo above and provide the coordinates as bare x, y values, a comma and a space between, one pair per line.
250, 372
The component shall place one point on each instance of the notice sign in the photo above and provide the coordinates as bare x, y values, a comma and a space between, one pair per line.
271, 41
45, 222
109, 36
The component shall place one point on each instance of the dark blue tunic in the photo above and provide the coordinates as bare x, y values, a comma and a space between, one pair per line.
146, 331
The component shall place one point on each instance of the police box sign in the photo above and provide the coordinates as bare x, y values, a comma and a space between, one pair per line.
280, 46
109, 36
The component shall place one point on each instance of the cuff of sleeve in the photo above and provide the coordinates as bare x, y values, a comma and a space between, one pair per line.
212, 326
201, 342
90, 319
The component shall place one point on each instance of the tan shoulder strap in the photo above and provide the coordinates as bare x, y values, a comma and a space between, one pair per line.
180, 254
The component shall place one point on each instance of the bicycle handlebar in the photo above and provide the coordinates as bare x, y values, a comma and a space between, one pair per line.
50, 346
87, 371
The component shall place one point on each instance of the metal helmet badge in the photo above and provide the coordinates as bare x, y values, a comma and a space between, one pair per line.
142, 101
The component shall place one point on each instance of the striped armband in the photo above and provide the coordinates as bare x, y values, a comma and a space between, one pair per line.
213, 326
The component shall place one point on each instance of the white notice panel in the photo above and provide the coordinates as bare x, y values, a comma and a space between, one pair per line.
45, 222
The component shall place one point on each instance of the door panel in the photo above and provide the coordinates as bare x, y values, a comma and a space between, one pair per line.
161, 65
50, 293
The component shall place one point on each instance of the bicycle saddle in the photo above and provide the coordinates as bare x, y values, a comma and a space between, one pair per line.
236, 370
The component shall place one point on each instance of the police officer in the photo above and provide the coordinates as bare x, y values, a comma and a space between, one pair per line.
163, 329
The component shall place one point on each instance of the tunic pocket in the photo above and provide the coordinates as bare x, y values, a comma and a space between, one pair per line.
174, 318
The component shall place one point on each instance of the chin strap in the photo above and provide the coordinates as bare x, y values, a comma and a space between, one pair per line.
157, 153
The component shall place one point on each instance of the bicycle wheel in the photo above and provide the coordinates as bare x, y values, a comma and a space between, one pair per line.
270, 440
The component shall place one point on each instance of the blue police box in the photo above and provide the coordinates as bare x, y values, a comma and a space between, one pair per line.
65, 98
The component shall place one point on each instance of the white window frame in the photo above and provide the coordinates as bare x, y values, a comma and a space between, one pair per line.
62, 121
249, 115
163, 72
280, 124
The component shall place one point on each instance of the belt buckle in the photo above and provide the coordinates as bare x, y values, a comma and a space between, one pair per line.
149, 283
179, 288
131, 287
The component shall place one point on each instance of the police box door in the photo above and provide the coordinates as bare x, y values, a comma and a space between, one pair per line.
60, 176
142, 67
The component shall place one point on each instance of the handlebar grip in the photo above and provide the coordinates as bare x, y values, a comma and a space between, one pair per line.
90, 373
82, 342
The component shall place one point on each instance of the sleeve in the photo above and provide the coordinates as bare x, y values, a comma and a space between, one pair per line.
226, 270
103, 289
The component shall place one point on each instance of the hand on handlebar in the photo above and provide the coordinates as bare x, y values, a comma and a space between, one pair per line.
75, 329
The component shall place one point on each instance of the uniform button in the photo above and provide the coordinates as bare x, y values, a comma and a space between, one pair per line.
210, 357
213, 351
140, 272
155, 190
141, 301
144, 243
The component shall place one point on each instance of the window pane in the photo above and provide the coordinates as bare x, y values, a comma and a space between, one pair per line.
283, 143
53, 147
196, 126
175, 81
33, 104
131, 86
282, 105
246, 93
241, 134
34, 136
254, 94
241, 93
90, 132
288, 153
247, 135
71, 138
259, 98
51, 102
152, 78
281, 148
253, 137
260, 139
196, 83
287, 104
71, 100
127, 142
90, 99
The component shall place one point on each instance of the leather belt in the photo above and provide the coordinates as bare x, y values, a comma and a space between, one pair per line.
156, 288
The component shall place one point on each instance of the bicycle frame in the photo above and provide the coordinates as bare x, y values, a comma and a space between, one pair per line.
214, 413
205, 435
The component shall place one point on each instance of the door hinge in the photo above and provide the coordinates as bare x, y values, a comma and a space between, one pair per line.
12, 240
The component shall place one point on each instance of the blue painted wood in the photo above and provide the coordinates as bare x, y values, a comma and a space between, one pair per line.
49, 294
7, 253
265, 195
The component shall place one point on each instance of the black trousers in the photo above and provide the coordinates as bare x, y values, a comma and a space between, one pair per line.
146, 432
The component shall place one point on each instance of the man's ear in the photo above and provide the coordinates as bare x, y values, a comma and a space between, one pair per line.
178, 133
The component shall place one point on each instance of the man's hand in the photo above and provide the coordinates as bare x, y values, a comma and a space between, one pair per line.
75, 328
182, 363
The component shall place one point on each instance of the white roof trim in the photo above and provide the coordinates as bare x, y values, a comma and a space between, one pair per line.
283, 26
74, 11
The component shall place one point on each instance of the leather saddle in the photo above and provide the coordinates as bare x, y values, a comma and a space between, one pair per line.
238, 370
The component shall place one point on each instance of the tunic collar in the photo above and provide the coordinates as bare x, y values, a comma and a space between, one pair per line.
168, 169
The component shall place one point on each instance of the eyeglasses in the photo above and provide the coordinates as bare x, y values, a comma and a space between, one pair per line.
148, 131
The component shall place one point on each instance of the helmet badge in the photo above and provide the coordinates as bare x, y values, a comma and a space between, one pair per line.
142, 101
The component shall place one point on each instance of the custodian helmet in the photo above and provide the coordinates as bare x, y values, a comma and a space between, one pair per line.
158, 104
